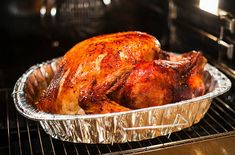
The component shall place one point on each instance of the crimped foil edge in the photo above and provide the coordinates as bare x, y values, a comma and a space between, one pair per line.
109, 128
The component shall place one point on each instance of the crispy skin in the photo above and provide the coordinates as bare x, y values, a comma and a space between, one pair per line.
94, 67
164, 81
104, 106
119, 72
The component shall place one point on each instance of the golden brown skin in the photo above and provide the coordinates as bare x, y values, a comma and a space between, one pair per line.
164, 81
95, 67
115, 72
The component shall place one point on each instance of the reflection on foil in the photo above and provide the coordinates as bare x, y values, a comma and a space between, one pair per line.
134, 125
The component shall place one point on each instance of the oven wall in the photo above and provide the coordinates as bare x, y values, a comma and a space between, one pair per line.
31, 32
31, 35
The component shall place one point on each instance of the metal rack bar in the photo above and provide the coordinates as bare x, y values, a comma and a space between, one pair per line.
29, 139
150, 142
52, 145
169, 137
108, 148
210, 126
139, 144
8, 124
204, 129
76, 150
129, 145
18, 133
23, 131
65, 151
186, 134
195, 132
224, 112
88, 152
208, 114
176, 134
222, 118
98, 149
119, 147
225, 104
40, 139
159, 141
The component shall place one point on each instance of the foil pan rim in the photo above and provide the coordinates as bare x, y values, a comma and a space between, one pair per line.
26, 109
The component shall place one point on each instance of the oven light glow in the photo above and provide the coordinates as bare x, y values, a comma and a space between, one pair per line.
43, 10
107, 2
53, 11
210, 6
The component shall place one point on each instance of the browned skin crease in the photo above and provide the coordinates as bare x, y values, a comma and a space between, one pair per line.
119, 72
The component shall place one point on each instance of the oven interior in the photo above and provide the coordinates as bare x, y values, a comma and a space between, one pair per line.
34, 31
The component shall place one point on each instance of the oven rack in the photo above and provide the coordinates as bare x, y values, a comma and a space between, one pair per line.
22, 136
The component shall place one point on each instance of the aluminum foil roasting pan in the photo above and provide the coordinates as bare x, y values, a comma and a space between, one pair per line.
134, 125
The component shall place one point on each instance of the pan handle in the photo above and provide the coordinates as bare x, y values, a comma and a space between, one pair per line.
176, 123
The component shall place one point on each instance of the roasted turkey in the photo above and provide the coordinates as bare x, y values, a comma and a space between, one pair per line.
121, 71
